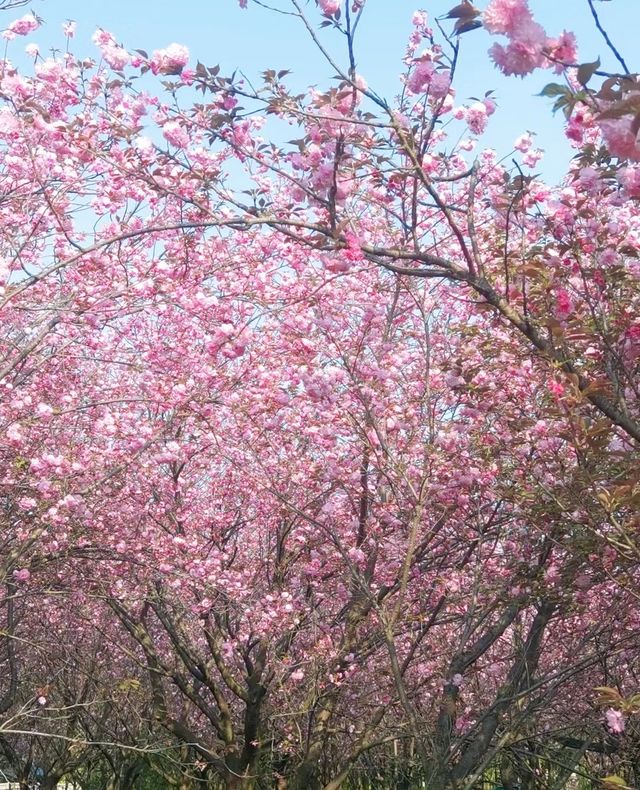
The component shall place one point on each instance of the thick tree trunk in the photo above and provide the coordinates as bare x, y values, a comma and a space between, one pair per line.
240, 773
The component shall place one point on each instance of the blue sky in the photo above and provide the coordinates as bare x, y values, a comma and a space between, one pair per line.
219, 32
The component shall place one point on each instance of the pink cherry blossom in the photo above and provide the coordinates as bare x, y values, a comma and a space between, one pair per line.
615, 720
620, 137
476, 117
117, 57
563, 49
629, 178
170, 60
25, 25
102, 38
523, 53
523, 143
506, 16
419, 19
329, 7
174, 133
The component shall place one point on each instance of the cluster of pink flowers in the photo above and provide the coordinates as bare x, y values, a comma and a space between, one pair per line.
425, 77
615, 720
167, 61
562, 50
629, 178
529, 47
329, 7
476, 115
564, 304
113, 54
175, 134
21, 27
506, 16
170, 60
420, 31
620, 137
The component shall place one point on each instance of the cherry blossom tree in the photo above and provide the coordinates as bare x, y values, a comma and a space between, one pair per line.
336, 473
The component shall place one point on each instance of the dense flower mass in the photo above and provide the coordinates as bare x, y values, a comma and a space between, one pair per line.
318, 453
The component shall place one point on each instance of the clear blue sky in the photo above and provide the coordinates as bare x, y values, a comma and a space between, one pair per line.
219, 32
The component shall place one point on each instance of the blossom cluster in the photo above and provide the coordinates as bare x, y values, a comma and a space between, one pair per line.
528, 45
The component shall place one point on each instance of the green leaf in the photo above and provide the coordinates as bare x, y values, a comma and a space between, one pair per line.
463, 11
465, 26
586, 71
554, 89
612, 782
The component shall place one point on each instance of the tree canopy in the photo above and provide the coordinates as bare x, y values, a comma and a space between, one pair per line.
319, 457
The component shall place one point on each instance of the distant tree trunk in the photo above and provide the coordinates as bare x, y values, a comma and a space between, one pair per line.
234, 782
50, 781
508, 775
307, 777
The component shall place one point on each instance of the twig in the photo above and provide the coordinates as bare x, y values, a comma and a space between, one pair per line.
605, 35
